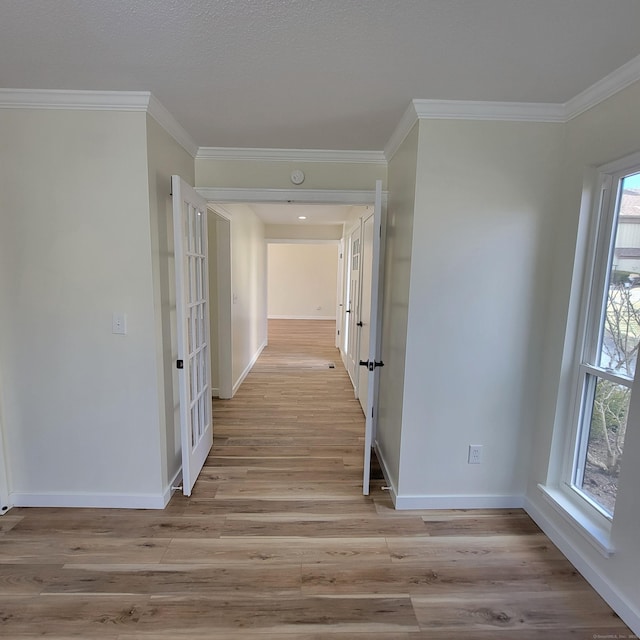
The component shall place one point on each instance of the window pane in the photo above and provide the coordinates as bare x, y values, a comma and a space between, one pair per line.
606, 421
620, 330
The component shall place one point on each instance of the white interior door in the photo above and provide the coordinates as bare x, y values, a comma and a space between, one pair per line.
353, 307
192, 310
375, 318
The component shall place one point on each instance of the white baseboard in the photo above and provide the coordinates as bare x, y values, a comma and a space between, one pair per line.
333, 317
215, 392
248, 368
458, 502
407, 502
626, 610
90, 500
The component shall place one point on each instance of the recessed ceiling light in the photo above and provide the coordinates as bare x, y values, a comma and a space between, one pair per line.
302, 217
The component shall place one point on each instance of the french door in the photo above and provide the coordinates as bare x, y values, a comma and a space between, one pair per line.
192, 310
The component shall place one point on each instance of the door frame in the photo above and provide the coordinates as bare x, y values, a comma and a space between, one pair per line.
216, 197
5, 496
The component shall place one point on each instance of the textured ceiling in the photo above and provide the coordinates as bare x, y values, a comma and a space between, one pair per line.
315, 214
314, 74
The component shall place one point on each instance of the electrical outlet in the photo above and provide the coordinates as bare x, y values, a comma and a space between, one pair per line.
475, 454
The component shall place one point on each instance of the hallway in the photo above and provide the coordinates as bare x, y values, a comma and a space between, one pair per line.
278, 543
294, 426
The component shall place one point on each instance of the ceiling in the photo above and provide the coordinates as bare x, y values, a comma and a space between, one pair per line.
315, 214
314, 74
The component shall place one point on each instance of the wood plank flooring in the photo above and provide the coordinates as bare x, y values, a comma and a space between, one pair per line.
277, 541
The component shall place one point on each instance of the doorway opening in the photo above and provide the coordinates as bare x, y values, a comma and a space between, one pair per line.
253, 230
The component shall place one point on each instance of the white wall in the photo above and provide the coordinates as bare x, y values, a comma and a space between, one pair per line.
165, 157
303, 232
395, 304
81, 405
265, 174
249, 289
485, 202
602, 134
212, 230
302, 280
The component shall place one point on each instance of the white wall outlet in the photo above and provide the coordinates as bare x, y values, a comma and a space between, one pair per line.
119, 323
475, 454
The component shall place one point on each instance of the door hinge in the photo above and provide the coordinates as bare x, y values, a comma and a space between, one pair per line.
179, 364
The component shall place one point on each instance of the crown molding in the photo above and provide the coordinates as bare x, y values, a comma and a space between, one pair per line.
616, 81
485, 110
157, 111
471, 110
138, 101
72, 99
409, 118
291, 155
419, 109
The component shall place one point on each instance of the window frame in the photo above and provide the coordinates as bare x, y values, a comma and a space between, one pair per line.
595, 273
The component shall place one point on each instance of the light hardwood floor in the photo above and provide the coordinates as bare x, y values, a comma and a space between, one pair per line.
277, 541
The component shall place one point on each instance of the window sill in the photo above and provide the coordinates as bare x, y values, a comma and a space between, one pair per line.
597, 535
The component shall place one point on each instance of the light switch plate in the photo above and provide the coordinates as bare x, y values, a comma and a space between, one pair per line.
119, 323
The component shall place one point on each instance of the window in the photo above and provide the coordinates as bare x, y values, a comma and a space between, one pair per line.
610, 342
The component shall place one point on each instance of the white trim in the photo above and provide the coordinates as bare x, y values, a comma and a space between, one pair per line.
248, 368
171, 126
301, 317
5, 494
90, 500
598, 536
326, 196
67, 99
215, 392
402, 130
487, 110
291, 155
471, 110
619, 603
604, 88
616, 81
136, 101
458, 502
